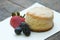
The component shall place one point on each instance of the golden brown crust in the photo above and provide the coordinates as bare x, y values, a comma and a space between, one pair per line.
37, 28
44, 30
39, 21
37, 17
35, 20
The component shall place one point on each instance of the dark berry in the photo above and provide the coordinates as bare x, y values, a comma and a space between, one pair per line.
26, 31
25, 28
23, 25
18, 30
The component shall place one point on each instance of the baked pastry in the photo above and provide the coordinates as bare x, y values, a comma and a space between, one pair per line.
39, 19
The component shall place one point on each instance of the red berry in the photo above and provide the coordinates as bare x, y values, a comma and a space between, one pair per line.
16, 20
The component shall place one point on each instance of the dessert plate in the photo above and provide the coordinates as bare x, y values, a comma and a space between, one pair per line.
7, 32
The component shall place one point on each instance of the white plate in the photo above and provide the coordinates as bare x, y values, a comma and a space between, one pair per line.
7, 32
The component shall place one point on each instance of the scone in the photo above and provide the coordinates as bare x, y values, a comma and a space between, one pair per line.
39, 19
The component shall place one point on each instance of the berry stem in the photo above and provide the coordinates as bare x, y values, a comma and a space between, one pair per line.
13, 14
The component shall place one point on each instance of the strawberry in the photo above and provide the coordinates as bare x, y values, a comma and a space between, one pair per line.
16, 20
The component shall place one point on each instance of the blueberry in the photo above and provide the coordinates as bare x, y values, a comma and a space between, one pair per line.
23, 25
25, 28
18, 30
26, 31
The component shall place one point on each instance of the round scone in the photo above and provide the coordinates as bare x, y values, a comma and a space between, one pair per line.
39, 19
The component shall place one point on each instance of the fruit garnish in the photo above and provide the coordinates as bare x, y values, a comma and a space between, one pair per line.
23, 16
25, 28
18, 14
16, 20
18, 23
18, 30
26, 31
15, 14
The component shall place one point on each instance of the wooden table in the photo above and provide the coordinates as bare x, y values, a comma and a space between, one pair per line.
9, 6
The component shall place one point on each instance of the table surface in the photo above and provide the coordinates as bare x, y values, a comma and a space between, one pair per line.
9, 6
